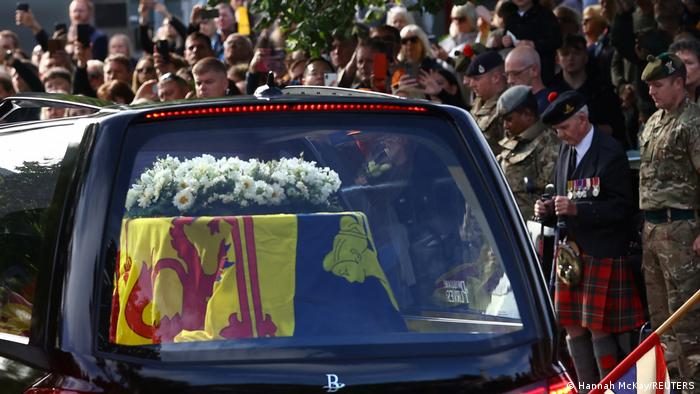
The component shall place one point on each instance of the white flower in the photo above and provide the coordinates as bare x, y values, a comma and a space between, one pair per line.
184, 199
131, 197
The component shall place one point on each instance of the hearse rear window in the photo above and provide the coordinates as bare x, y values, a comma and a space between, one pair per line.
315, 229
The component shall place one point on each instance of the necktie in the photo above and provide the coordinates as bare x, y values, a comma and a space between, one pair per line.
572, 162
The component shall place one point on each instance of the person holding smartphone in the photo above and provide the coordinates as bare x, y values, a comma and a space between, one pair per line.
81, 12
415, 54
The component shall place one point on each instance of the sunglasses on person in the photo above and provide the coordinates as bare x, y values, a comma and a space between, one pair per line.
460, 19
412, 40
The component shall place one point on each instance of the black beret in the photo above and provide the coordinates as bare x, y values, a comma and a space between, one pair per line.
563, 107
484, 63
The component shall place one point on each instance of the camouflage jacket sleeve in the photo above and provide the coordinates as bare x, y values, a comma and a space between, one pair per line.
547, 152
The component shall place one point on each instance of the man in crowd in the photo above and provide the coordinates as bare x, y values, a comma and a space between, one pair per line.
342, 49
688, 50
529, 150
314, 72
210, 78
80, 13
603, 104
117, 67
523, 67
225, 25
486, 78
237, 49
594, 205
172, 87
197, 47
669, 195
537, 26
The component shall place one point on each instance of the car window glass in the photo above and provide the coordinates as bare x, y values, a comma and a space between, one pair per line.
253, 231
30, 164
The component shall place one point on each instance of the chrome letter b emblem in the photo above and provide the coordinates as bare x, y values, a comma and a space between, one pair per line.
333, 383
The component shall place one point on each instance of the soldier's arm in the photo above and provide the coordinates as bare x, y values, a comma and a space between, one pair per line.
694, 146
547, 155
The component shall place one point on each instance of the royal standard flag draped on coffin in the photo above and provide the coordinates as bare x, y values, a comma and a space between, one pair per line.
231, 277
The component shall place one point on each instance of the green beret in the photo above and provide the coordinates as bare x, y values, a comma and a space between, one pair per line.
662, 66
513, 98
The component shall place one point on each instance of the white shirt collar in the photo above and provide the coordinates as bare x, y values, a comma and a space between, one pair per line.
584, 145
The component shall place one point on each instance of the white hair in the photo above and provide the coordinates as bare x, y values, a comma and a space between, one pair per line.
583, 110
416, 31
399, 10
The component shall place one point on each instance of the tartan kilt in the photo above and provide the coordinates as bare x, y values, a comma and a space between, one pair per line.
606, 299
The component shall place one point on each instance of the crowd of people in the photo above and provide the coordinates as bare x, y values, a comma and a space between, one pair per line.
621, 74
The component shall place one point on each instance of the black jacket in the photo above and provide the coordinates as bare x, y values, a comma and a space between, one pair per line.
603, 225
540, 26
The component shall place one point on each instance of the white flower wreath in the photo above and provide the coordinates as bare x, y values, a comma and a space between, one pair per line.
190, 185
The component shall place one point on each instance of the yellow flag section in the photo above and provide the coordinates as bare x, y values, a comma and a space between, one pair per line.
240, 307
233, 277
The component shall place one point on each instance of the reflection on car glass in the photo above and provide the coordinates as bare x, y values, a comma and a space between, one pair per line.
367, 227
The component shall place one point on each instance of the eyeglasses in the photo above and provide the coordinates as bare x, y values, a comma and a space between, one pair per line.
515, 73
412, 40
460, 19
146, 70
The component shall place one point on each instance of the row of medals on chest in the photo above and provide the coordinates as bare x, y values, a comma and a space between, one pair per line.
582, 188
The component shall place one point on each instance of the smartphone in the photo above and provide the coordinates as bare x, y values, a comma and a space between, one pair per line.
55, 45
410, 69
209, 13
381, 65
163, 48
60, 27
330, 79
84, 31
23, 7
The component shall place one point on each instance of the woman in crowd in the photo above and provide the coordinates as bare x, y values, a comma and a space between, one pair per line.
145, 70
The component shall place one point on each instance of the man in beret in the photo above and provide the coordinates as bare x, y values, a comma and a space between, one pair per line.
529, 149
669, 195
594, 208
486, 78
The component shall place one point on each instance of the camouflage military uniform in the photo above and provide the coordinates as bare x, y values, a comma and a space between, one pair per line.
669, 177
531, 154
486, 117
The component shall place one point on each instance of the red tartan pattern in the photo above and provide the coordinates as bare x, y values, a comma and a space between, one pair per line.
606, 299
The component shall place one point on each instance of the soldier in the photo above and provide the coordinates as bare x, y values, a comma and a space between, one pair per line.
669, 195
487, 80
595, 295
529, 149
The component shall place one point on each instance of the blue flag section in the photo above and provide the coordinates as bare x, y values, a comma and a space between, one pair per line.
348, 293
